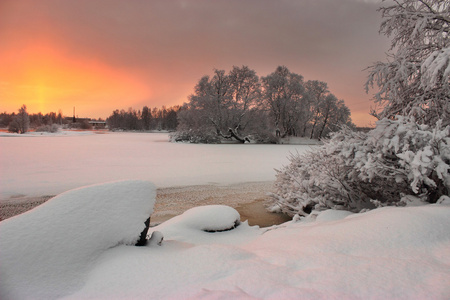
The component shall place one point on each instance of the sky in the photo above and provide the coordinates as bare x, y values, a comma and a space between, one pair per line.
102, 55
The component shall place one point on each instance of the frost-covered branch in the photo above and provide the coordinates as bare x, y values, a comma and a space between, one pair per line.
415, 81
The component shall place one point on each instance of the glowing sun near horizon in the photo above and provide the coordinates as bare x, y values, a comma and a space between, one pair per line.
47, 80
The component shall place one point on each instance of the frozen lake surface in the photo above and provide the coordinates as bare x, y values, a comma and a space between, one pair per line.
51, 164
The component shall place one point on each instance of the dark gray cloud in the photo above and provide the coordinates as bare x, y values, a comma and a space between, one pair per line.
176, 42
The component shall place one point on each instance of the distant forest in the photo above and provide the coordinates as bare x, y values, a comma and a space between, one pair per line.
146, 119
36, 120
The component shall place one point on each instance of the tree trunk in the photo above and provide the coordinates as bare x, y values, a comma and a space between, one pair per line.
234, 135
143, 237
323, 126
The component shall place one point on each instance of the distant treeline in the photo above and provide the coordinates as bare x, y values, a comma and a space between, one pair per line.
22, 121
36, 120
146, 119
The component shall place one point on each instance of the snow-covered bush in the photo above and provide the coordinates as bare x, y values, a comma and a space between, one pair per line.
263, 137
316, 179
14, 126
196, 136
48, 128
355, 170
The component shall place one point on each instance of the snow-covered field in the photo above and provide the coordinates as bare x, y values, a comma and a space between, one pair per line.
79, 245
49, 164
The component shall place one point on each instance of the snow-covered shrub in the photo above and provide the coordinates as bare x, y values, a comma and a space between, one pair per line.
48, 128
196, 136
263, 137
14, 126
408, 155
317, 179
355, 170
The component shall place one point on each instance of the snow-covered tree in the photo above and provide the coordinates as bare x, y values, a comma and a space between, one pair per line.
416, 79
239, 106
407, 155
284, 93
21, 122
224, 106
245, 99
317, 91
335, 115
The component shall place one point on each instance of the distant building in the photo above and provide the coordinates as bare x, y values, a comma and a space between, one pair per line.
82, 122
98, 124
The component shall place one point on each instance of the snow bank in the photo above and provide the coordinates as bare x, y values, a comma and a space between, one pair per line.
49, 134
46, 252
387, 253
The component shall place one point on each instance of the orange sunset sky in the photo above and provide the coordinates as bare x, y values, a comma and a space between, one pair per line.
101, 55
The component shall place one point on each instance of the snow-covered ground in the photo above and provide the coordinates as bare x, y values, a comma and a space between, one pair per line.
79, 245
49, 164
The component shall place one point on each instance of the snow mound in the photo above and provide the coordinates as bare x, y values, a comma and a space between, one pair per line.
209, 218
45, 252
206, 224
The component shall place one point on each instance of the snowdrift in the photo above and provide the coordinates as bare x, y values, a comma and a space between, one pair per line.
78, 246
46, 252
387, 253
209, 224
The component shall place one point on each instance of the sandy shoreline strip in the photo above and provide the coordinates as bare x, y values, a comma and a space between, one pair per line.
248, 198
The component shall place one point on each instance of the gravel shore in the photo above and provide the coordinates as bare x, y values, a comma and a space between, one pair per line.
247, 198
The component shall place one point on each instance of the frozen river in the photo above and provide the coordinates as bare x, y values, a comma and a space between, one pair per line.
51, 164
